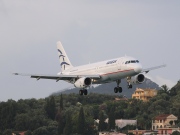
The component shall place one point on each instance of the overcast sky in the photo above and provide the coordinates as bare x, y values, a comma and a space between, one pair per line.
90, 31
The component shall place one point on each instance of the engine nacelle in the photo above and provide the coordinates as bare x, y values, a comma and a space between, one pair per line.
83, 82
138, 79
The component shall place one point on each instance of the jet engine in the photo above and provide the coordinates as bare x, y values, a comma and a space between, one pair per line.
138, 79
83, 82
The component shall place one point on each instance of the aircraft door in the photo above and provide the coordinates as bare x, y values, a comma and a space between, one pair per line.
123, 65
120, 61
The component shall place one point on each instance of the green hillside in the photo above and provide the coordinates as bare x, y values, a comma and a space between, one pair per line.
74, 114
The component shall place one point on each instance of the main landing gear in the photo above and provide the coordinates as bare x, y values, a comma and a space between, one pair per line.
118, 89
84, 91
129, 83
129, 86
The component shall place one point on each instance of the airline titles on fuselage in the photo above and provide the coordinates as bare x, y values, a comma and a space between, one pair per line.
111, 62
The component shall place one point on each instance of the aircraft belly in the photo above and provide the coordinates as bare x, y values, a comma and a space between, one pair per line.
125, 74
103, 79
113, 76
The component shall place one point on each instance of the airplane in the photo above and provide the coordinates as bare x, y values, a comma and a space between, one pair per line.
97, 73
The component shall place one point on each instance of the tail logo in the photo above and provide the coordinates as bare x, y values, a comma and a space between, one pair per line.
61, 55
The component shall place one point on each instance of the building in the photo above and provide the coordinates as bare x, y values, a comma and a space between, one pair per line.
144, 94
163, 121
121, 99
120, 123
167, 131
137, 132
19, 132
110, 133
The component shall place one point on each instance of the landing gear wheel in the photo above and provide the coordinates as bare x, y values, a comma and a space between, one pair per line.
130, 86
115, 90
85, 92
120, 89
81, 92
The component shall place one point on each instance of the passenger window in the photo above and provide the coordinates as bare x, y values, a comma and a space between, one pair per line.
127, 62
137, 61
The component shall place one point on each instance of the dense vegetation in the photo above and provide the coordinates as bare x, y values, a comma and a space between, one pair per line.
74, 114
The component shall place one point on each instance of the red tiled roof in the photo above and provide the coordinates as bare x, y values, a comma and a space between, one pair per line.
20, 132
161, 117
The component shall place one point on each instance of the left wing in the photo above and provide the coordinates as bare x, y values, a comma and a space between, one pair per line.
152, 68
57, 77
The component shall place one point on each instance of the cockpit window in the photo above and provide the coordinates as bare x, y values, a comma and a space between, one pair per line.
132, 61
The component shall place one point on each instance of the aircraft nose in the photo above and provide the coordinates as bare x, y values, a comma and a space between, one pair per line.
138, 68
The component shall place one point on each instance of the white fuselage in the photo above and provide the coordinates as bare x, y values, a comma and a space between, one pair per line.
109, 70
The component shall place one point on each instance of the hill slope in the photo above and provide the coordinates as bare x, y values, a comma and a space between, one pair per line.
109, 88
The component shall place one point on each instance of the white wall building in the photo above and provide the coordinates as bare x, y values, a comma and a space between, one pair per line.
163, 121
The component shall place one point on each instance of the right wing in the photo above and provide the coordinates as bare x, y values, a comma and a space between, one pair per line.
57, 77
152, 68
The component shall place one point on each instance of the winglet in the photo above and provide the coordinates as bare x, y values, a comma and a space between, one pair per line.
15, 73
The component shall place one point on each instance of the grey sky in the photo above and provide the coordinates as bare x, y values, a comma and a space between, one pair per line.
90, 31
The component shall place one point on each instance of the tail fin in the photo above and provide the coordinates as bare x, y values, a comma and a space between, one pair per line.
63, 58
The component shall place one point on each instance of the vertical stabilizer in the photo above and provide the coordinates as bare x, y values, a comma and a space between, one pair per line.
63, 58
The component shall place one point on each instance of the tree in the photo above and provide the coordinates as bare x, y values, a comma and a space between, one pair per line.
50, 108
7, 132
37, 119
102, 125
165, 88
68, 126
111, 123
81, 122
59, 118
8, 112
41, 131
141, 122
46, 107
28, 133
52, 127
175, 133
22, 122
61, 103
95, 112
173, 91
